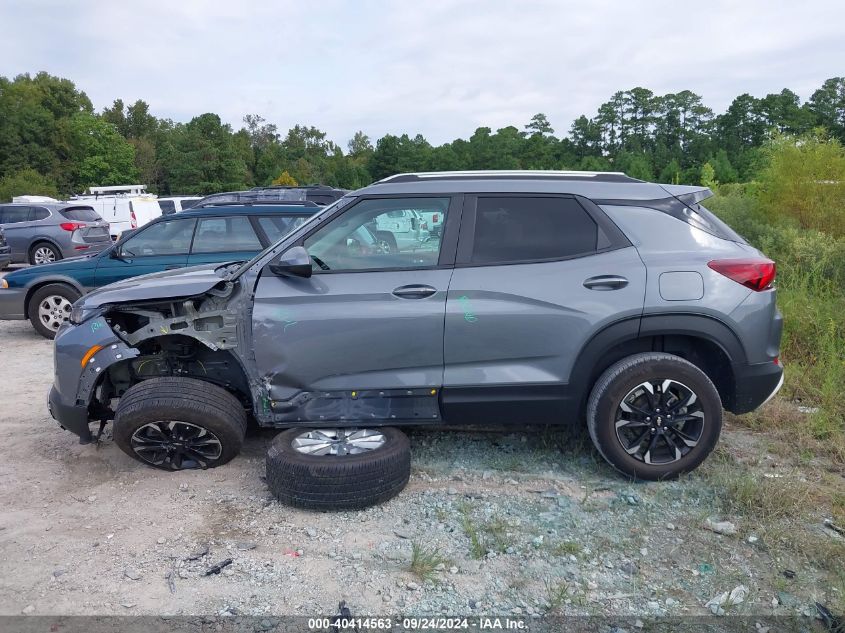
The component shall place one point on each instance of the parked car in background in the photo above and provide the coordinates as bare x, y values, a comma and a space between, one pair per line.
403, 229
319, 194
47, 232
175, 204
552, 298
124, 207
5, 250
44, 294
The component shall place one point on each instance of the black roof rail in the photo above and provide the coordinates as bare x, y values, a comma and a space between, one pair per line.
315, 186
591, 176
283, 203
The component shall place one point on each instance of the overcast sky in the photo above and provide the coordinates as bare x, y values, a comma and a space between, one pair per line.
441, 67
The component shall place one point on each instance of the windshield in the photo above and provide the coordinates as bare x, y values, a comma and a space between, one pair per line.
312, 220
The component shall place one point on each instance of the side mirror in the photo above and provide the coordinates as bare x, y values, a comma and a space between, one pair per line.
294, 262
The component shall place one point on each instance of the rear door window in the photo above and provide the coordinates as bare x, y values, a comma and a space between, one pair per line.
13, 215
167, 206
277, 226
81, 214
513, 229
222, 235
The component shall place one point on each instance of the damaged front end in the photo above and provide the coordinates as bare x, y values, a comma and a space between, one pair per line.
123, 334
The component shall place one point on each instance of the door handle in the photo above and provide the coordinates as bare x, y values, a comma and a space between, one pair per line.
414, 291
605, 282
172, 267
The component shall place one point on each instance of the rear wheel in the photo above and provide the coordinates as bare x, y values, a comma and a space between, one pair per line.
654, 416
338, 469
49, 307
179, 424
44, 253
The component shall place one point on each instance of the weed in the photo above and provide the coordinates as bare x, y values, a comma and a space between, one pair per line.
565, 548
485, 535
425, 560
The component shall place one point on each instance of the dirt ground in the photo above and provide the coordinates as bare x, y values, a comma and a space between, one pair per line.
527, 523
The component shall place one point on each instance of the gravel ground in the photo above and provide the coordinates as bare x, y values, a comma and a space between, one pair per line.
526, 523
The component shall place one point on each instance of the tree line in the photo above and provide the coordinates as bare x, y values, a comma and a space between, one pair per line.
53, 142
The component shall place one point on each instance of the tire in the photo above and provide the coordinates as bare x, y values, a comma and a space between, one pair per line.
49, 306
692, 432
338, 482
389, 240
43, 253
172, 408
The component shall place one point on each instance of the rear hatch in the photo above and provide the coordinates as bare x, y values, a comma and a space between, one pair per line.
90, 227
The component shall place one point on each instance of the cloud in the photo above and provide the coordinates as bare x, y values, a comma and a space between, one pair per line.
440, 68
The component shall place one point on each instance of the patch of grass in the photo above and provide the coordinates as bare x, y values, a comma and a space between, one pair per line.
565, 548
425, 560
557, 591
484, 535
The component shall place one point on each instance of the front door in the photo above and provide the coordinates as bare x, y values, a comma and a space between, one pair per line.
362, 338
535, 278
151, 249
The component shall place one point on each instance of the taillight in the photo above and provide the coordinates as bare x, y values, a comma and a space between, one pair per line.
435, 218
424, 226
757, 274
72, 226
133, 221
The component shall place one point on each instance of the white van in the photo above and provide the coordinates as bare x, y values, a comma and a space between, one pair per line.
124, 207
175, 204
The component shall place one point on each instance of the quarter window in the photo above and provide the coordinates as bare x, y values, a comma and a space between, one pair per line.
517, 229
162, 238
384, 233
222, 235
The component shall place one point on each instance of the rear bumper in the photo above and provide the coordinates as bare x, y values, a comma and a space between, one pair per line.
12, 302
85, 248
755, 385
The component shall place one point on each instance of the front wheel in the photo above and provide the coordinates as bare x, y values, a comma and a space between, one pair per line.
654, 416
49, 307
179, 424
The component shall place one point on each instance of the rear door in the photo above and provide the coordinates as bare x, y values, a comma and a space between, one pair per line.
535, 278
157, 247
17, 223
221, 239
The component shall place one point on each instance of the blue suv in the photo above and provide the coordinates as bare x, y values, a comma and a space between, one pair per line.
44, 294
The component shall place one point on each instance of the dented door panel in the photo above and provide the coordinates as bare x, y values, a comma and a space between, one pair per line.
318, 340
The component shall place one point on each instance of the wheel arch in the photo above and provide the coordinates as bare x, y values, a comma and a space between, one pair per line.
36, 286
220, 367
704, 341
42, 240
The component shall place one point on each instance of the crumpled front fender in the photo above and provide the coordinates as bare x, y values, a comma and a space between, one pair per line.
75, 380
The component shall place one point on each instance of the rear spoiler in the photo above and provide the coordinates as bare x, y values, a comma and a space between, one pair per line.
688, 194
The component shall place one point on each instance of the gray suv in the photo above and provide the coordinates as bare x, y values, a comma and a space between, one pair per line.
40, 233
549, 297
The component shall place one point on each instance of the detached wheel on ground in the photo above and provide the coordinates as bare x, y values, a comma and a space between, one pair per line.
654, 416
179, 424
49, 307
338, 469
44, 253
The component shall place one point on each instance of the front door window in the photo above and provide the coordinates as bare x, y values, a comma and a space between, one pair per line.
379, 234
